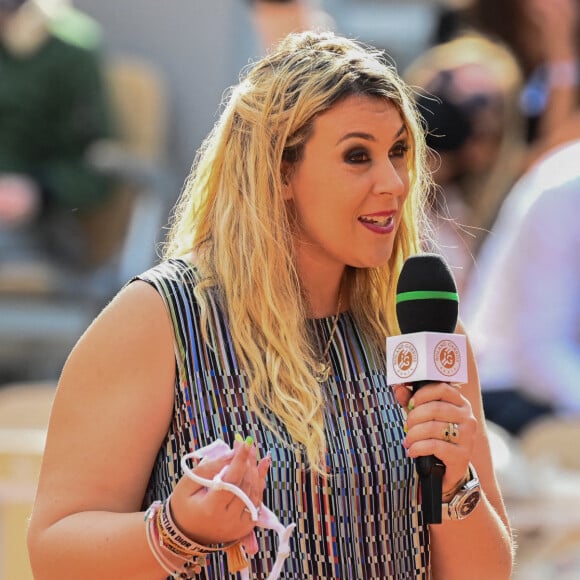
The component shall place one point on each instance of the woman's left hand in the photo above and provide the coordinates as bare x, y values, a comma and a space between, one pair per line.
440, 422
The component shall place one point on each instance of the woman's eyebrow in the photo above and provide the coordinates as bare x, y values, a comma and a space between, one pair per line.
357, 134
368, 136
402, 130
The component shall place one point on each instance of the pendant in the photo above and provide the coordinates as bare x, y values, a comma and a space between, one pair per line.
322, 371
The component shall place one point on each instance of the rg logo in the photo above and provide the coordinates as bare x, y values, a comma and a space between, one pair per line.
405, 359
447, 358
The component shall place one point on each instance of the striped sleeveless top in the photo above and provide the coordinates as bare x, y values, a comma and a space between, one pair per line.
364, 521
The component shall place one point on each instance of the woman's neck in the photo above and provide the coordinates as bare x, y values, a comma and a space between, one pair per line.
324, 288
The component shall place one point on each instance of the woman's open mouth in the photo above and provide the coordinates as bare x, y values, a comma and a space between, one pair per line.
380, 223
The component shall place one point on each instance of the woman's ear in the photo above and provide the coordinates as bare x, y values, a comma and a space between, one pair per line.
287, 193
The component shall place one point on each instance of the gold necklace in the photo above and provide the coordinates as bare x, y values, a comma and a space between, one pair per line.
323, 367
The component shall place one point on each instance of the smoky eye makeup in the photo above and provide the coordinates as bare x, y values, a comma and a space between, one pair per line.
399, 149
357, 155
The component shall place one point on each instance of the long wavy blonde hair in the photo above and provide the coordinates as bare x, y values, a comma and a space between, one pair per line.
233, 216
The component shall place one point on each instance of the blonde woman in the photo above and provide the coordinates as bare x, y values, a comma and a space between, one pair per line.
265, 327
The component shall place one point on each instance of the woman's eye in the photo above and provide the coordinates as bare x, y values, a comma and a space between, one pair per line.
357, 156
399, 150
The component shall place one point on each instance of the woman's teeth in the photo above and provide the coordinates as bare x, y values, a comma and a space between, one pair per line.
382, 222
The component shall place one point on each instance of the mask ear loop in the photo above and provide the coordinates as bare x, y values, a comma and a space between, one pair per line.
263, 516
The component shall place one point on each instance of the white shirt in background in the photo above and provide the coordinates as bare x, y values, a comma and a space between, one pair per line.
522, 306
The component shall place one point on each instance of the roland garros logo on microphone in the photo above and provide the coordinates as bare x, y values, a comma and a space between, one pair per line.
405, 359
447, 358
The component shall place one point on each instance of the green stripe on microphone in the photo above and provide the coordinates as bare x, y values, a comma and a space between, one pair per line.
427, 295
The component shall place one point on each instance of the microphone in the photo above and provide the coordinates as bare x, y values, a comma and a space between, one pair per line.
427, 351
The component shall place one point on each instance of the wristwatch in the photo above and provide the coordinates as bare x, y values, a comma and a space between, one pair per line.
464, 501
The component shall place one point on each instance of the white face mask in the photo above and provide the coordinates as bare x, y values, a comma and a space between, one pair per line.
263, 517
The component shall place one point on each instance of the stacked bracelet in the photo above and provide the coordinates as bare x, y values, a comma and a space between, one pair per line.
177, 554
172, 537
176, 564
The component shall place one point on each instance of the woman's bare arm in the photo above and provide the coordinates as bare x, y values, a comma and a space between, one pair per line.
112, 408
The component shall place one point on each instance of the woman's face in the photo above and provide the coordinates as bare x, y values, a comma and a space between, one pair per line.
347, 191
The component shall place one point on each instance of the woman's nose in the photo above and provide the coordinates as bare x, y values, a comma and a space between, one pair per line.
391, 178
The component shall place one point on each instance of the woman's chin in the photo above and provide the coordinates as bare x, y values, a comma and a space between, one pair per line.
367, 262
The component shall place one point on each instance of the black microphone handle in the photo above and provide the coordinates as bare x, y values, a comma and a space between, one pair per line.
430, 469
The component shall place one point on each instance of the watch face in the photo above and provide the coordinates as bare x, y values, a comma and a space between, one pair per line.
468, 504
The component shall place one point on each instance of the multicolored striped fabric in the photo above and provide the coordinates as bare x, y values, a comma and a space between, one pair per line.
363, 522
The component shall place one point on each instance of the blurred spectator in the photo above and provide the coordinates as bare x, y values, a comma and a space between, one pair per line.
523, 304
467, 93
53, 109
449, 19
274, 19
543, 36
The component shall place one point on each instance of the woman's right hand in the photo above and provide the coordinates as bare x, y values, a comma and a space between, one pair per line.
210, 516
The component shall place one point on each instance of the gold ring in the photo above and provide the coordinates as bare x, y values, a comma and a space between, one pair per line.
451, 432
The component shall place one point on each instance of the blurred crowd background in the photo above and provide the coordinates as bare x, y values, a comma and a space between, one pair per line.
103, 105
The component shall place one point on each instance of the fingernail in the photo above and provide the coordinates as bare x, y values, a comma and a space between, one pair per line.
239, 438
249, 441
411, 405
267, 462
